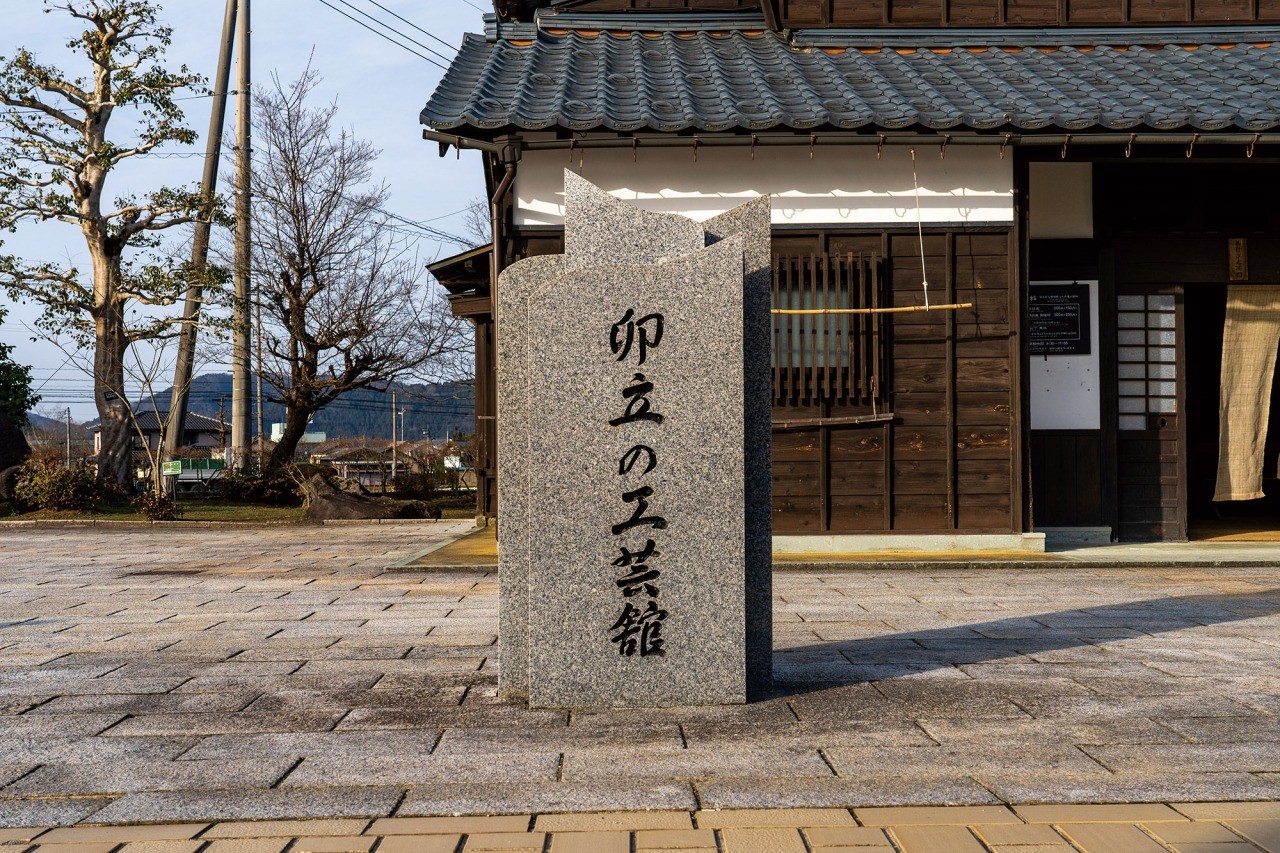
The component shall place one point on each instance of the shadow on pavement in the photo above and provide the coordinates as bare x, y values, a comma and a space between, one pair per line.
856, 661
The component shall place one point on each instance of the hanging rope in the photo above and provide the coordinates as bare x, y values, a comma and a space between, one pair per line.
924, 276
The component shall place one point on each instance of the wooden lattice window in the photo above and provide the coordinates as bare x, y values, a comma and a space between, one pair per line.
1147, 358
837, 359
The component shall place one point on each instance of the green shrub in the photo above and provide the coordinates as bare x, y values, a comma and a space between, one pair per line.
419, 509
157, 507
42, 485
277, 488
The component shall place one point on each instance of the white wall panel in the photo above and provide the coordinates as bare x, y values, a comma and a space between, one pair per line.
1065, 388
839, 185
1061, 201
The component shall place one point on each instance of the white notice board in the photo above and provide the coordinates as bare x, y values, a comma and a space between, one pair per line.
1065, 388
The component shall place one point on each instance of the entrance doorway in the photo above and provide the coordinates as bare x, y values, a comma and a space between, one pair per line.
1206, 308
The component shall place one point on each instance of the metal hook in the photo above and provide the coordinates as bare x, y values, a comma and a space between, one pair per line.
572, 143
1005, 144
1249, 153
880, 147
1066, 139
1192, 146
813, 140
695, 148
942, 151
1128, 148
753, 146
457, 146
634, 144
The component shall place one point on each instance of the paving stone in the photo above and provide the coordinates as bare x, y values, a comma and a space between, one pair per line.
1061, 814
722, 819
285, 828
1110, 838
514, 766
707, 760
1229, 811
18, 834
163, 846
48, 812
591, 842
531, 841
1031, 785
432, 825
864, 790
149, 703
674, 839
91, 847
1002, 834
937, 839
762, 841
1202, 832
216, 724
127, 775
304, 744
517, 798
251, 805
419, 844
118, 834
334, 844
1264, 833
846, 836
925, 816
624, 820
247, 845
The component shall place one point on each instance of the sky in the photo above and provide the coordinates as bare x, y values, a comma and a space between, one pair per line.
379, 89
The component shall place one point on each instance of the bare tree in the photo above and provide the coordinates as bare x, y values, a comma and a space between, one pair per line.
345, 304
476, 222
55, 161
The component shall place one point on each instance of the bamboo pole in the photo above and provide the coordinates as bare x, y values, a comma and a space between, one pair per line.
905, 309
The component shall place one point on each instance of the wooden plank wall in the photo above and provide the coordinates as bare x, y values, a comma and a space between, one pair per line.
948, 461
1039, 13
1066, 478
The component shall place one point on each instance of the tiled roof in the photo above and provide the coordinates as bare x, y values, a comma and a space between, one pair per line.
194, 422
718, 80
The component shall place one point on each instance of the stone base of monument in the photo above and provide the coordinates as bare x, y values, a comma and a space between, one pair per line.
633, 447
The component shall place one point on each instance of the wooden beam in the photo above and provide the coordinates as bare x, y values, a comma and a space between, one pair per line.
905, 309
851, 420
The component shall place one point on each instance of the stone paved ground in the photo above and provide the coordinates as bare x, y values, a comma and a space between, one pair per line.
204, 675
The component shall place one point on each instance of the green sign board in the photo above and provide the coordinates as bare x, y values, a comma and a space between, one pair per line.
171, 469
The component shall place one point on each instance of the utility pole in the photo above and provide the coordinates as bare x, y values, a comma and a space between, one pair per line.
257, 371
242, 320
222, 429
393, 438
200, 242
68, 436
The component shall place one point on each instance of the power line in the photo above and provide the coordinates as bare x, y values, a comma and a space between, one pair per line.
411, 23
382, 23
384, 35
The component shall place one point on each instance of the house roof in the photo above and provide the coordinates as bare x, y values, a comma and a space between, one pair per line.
727, 77
147, 422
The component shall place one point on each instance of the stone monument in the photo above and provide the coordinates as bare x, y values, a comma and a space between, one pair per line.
633, 459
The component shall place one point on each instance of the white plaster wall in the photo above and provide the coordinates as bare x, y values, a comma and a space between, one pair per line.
839, 185
1065, 388
1061, 201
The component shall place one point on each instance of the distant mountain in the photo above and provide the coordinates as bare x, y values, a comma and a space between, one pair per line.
429, 410
42, 423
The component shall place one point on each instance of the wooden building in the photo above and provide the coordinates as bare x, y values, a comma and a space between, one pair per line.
1090, 177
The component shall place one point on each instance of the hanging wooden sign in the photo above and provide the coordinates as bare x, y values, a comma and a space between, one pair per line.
1238, 259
